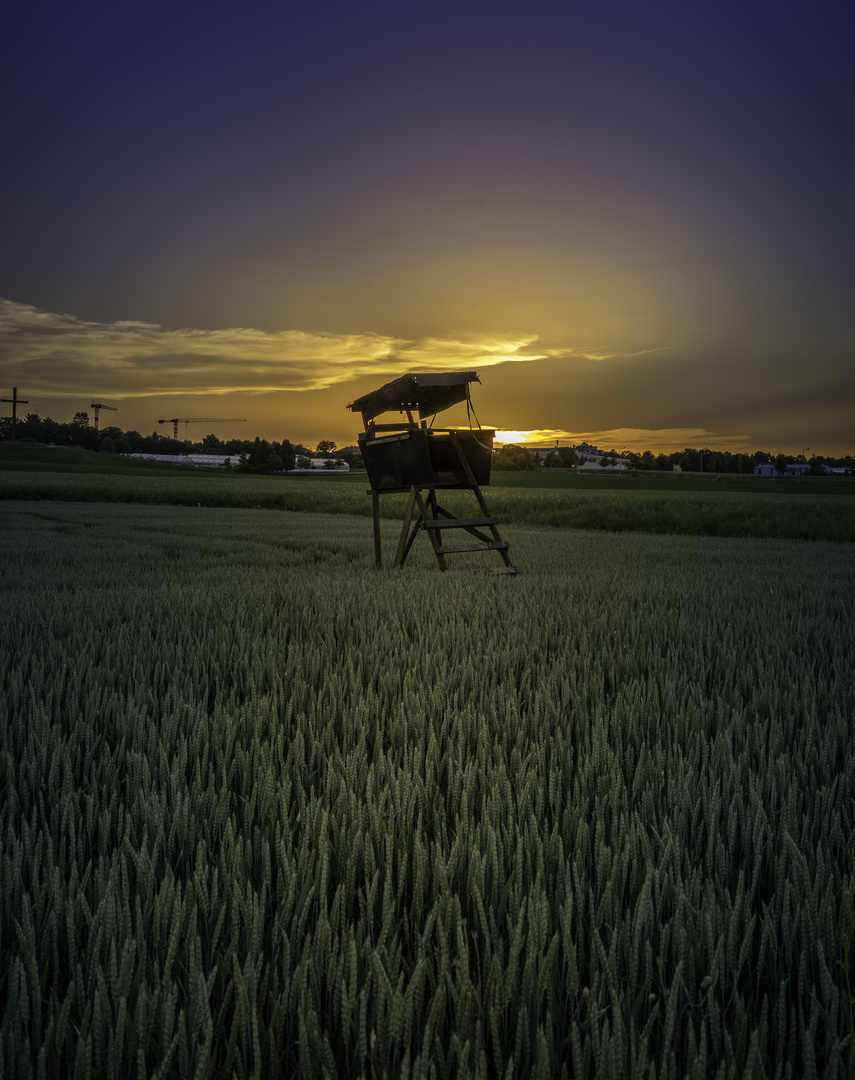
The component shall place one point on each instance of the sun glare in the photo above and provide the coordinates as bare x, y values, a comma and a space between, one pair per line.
542, 435
511, 436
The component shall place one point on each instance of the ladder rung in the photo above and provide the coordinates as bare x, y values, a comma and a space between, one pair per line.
460, 523
494, 545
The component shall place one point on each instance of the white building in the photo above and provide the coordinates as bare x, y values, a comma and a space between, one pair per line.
199, 461
323, 465
590, 458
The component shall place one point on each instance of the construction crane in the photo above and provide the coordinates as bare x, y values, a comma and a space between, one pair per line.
97, 409
176, 420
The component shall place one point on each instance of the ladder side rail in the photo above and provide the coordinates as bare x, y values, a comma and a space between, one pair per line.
482, 502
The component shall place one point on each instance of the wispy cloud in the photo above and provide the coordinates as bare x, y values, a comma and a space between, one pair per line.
661, 440
62, 355
600, 354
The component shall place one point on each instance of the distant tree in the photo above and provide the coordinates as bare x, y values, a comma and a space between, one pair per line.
80, 419
287, 454
212, 445
259, 454
168, 445
780, 463
262, 457
514, 458
715, 462
83, 435
304, 462
326, 447
742, 463
31, 427
354, 460
48, 430
107, 445
149, 444
562, 457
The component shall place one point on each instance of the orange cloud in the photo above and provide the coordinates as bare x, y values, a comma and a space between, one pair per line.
58, 355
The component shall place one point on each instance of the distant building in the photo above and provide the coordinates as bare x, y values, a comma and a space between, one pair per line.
590, 458
200, 461
322, 465
765, 468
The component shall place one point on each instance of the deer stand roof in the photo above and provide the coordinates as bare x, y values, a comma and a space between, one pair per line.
413, 457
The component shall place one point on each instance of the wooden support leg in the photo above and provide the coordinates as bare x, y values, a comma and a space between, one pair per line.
434, 539
413, 533
375, 507
403, 546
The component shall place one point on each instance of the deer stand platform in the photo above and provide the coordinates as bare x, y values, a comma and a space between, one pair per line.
411, 458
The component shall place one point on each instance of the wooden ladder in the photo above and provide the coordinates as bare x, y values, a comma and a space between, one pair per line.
434, 519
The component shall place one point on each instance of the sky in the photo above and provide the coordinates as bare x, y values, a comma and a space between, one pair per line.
634, 220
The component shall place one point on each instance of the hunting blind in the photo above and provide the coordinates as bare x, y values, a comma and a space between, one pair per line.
414, 457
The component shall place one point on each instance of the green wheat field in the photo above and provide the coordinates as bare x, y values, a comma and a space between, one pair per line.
267, 811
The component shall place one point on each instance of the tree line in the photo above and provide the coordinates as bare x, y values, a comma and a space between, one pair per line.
255, 455
261, 455
688, 460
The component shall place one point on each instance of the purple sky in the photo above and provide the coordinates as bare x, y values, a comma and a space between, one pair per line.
635, 220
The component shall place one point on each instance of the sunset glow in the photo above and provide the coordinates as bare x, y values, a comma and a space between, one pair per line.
538, 438
571, 201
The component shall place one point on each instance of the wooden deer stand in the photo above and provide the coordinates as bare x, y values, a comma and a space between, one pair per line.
412, 458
